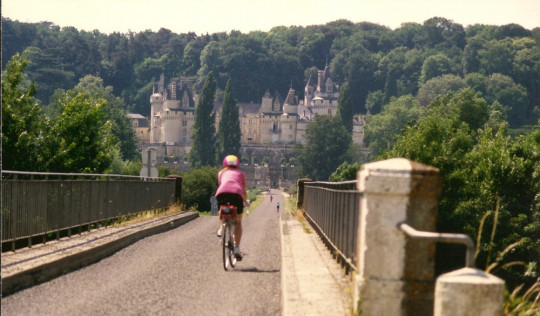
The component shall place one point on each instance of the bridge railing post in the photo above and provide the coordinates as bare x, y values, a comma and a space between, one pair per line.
300, 192
178, 188
395, 274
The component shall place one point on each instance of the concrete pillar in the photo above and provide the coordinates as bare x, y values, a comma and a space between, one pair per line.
300, 192
395, 273
178, 188
469, 292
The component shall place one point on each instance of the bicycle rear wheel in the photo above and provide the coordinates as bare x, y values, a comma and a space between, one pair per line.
225, 246
232, 257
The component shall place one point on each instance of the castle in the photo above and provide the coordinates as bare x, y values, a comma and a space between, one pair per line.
270, 129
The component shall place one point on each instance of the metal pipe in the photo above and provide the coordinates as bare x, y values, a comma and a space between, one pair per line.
443, 237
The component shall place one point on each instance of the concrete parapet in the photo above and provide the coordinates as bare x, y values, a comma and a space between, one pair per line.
300, 190
469, 292
395, 273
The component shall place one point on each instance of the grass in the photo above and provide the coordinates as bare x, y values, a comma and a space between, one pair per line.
290, 207
148, 215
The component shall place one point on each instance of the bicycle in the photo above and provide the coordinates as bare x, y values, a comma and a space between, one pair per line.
227, 213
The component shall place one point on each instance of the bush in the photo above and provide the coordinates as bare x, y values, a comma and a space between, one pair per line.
198, 186
345, 172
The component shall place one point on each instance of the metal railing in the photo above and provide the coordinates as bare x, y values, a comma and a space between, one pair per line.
443, 237
37, 204
333, 209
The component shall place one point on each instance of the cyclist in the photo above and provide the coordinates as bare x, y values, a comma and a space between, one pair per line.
232, 189
277, 206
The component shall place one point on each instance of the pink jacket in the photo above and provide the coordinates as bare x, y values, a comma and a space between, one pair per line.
232, 180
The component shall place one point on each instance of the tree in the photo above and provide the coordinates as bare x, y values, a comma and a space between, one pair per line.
229, 133
21, 119
345, 172
381, 130
345, 107
80, 139
443, 33
490, 182
497, 57
439, 86
435, 66
122, 128
203, 152
374, 102
512, 96
210, 60
327, 141
471, 60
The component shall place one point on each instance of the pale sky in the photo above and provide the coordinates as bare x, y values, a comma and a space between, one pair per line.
211, 16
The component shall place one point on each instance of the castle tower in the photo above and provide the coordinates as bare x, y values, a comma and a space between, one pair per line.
266, 105
156, 106
291, 102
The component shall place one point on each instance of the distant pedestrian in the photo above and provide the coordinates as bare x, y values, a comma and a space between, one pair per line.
271, 198
277, 207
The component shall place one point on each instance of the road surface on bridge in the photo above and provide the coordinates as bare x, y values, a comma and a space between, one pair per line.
178, 272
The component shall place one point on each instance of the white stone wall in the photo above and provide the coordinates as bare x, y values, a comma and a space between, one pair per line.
172, 123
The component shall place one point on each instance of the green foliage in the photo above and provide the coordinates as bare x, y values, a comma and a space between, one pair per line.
198, 186
327, 141
374, 102
22, 119
345, 172
381, 130
345, 107
203, 152
80, 140
436, 66
369, 57
122, 127
512, 96
490, 185
78, 137
252, 194
439, 86
229, 133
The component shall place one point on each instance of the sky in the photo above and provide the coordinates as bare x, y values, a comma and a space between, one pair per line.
212, 16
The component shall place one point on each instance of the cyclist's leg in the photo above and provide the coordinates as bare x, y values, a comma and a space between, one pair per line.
221, 201
238, 201
238, 230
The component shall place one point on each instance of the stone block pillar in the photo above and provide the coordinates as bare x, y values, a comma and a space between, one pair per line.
395, 274
469, 292
178, 188
300, 192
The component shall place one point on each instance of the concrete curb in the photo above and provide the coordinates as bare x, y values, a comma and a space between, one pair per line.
97, 251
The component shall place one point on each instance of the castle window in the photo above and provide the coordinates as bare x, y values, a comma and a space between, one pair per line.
290, 126
330, 111
184, 123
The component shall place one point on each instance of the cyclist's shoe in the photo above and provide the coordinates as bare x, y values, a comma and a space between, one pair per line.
238, 254
219, 231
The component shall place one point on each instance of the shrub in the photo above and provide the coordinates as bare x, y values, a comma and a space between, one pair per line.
198, 186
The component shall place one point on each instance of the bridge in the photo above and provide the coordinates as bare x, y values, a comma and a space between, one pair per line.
375, 260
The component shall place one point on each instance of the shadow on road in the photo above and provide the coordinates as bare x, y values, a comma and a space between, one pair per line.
254, 269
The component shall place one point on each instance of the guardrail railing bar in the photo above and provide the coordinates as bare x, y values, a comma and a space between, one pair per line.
443, 237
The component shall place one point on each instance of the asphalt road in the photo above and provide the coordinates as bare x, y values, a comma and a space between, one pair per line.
178, 272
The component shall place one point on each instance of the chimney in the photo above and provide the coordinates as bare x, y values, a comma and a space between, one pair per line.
173, 90
319, 80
